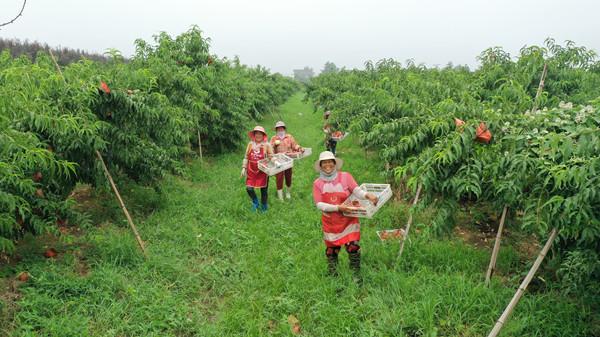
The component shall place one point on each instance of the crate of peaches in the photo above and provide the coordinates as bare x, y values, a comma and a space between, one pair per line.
279, 162
363, 208
304, 152
391, 234
339, 135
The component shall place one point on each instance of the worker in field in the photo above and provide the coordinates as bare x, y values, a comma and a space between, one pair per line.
330, 190
330, 143
258, 148
284, 142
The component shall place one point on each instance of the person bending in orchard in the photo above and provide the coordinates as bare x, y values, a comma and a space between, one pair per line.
330, 190
330, 143
258, 148
284, 142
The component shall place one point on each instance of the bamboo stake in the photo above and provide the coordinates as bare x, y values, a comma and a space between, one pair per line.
409, 222
540, 87
492, 266
129, 220
496, 330
56, 65
199, 145
109, 177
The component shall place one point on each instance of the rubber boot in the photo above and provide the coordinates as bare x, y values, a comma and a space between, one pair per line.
354, 258
254, 205
332, 262
288, 194
263, 208
280, 195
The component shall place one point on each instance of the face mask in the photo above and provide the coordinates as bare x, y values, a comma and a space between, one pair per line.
281, 134
328, 177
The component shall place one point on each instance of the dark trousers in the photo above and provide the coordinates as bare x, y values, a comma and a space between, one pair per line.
263, 194
287, 174
331, 145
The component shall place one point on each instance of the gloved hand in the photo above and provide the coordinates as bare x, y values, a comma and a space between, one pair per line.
243, 174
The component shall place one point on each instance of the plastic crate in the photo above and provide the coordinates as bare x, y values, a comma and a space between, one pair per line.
278, 163
391, 234
299, 155
338, 139
363, 208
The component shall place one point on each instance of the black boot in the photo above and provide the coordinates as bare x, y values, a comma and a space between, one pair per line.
354, 258
332, 261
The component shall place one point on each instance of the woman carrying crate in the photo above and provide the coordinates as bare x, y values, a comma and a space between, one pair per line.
284, 142
258, 148
330, 190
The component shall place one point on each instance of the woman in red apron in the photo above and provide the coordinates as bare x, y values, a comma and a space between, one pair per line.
284, 142
330, 190
258, 148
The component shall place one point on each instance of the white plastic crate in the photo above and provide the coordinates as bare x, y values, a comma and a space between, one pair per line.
299, 155
363, 207
278, 163
338, 139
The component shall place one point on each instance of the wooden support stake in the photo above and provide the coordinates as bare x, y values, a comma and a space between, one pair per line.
199, 145
109, 177
129, 220
540, 87
536, 265
492, 266
56, 65
410, 219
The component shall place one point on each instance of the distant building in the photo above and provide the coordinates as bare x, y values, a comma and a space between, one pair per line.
329, 67
304, 75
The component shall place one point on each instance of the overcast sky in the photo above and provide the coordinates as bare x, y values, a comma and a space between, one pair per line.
284, 34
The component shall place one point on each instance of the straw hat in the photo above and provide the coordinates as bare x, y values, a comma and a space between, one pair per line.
326, 155
257, 128
280, 124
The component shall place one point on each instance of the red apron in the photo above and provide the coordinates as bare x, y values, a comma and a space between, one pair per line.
338, 229
254, 176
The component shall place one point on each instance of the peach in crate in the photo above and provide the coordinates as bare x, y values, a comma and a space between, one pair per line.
339, 135
363, 208
391, 234
278, 163
300, 154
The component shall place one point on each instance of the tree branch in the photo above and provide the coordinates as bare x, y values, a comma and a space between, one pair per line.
16, 17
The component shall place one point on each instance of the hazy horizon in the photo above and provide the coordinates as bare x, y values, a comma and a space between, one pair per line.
283, 36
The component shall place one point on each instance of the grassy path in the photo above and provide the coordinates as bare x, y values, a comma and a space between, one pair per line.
215, 269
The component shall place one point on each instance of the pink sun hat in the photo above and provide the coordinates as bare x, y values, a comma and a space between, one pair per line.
257, 128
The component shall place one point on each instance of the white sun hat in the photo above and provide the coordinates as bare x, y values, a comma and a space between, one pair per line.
327, 155
280, 124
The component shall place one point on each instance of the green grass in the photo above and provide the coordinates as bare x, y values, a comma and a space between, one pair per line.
215, 269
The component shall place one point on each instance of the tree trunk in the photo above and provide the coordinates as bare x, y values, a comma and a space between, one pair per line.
540, 87
199, 145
